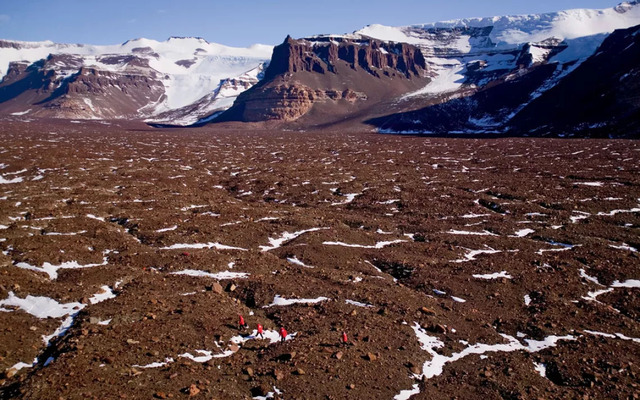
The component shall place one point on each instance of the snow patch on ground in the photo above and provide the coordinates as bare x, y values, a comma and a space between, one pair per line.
496, 275
274, 243
218, 275
294, 260
52, 270
378, 245
210, 245
281, 301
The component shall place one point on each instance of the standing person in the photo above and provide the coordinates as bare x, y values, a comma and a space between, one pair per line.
260, 331
241, 323
283, 334
345, 339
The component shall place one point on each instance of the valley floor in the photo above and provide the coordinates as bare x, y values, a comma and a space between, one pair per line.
459, 268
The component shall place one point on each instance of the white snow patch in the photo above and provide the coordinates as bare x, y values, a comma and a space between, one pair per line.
624, 246
541, 369
281, 301
274, 243
378, 245
524, 232
349, 198
612, 336
471, 254
218, 275
358, 304
435, 366
294, 260
496, 275
52, 270
593, 296
210, 245
483, 233
20, 113
406, 394
583, 274
594, 184
614, 212
14, 180
172, 228
41, 307
106, 293
631, 283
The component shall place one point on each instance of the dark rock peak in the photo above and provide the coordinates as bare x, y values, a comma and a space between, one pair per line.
147, 51
7, 44
189, 37
120, 59
325, 54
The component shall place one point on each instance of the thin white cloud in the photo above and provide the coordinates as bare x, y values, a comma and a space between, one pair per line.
161, 11
4, 18
132, 21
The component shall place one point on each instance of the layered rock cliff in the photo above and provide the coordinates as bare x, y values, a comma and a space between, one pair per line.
60, 86
329, 71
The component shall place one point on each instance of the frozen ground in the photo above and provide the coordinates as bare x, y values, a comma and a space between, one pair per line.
125, 265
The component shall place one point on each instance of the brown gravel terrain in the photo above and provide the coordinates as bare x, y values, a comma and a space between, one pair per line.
459, 268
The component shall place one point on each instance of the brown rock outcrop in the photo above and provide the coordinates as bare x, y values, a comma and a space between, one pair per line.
322, 55
336, 71
289, 102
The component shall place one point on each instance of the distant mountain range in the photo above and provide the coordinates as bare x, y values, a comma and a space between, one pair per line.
563, 73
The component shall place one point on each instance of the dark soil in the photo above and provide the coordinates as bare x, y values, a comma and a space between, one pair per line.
241, 188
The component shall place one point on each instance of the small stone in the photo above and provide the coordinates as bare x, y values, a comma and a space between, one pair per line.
437, 328
427, 311
160, 395
371, 357
193, 390
232, 287
11, 372
338, 355
234, 347
248, 371
351, 386
33, 328
415, 370
217, 288
287, 356
131, 341
300, 371
279, 375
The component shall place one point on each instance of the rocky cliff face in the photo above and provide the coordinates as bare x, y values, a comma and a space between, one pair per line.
326, 54
596, 97
60, 86
600, 97
323, 70
184, 79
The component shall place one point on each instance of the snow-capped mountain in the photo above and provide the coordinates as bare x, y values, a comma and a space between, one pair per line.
139, 79
474, 75
479, 75
454, 49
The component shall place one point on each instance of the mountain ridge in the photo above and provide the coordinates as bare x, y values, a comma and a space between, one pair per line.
375, 74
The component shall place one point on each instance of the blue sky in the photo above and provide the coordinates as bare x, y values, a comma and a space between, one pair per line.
239, 22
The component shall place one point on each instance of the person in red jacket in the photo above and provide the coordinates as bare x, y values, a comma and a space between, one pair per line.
345, 339
241, 323
260, 331
283, 334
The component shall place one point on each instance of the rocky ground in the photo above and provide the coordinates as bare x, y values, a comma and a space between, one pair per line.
459, 268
